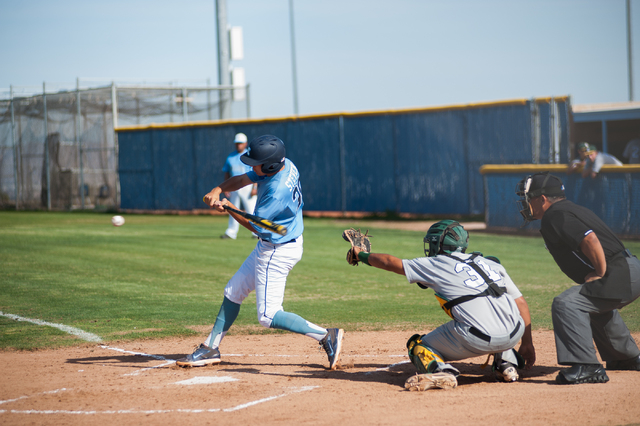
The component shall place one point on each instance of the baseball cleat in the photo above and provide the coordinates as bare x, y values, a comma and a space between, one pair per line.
507, 372
332, 345
582, 373
423, 382
203, 355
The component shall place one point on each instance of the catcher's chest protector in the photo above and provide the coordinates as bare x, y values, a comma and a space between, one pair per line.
492, 290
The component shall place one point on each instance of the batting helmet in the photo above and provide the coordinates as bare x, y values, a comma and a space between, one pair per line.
446, 236
266, 150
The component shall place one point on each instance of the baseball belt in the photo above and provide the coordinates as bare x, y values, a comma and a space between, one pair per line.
480, 335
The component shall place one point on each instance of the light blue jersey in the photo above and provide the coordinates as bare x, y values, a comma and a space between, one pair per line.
234, 166
279, 200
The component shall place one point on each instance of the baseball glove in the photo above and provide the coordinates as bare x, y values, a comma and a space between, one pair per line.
359, 240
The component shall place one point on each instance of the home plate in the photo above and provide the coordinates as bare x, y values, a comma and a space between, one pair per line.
206, 380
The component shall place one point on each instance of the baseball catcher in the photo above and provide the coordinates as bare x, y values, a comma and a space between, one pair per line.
488, 313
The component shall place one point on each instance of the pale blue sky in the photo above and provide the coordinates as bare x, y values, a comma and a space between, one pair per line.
352, 55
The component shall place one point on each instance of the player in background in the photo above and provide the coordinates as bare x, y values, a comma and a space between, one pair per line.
266, 269
595, 160
489, 314
632, 151
577, 165
246, 196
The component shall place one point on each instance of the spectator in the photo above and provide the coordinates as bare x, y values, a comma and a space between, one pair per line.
632, 151
577, 165
595, 161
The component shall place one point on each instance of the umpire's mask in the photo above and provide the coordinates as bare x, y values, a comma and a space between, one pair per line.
534, 186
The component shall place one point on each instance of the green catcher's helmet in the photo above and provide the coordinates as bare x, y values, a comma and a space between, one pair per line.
446, 236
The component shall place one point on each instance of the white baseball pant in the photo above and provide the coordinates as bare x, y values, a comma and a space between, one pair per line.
265, 271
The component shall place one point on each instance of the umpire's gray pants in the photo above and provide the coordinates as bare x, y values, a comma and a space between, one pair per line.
580, 320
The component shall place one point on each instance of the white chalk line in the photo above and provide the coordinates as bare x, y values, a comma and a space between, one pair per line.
25, 397
178, 410
206, 380
89, 337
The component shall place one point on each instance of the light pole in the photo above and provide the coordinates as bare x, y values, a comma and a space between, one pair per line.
293, 60
223, 58
629, 51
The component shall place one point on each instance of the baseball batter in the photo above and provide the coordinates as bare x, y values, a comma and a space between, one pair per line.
266, 269
246, 196
489, 314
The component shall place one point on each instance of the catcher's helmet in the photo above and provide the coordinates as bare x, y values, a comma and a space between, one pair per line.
446, 236
265, 150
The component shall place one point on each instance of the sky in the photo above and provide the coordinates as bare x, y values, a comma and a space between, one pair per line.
351, 55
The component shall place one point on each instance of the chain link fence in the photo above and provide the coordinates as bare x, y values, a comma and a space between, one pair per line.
59, 151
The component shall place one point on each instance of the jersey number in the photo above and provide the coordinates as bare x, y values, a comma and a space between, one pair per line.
296, 194
476, 280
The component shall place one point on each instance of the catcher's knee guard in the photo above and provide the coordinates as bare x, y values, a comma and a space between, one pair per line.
423, 357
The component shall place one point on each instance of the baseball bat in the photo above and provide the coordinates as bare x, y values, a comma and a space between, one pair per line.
263, 223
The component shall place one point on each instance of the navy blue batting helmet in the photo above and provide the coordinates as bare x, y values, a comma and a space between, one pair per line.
265, 150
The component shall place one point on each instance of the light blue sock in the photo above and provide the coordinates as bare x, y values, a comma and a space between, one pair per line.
227, 315
291, 322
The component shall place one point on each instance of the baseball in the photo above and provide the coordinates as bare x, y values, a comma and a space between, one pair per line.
117, 220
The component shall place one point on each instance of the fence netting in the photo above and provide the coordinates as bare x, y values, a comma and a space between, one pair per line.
58, 150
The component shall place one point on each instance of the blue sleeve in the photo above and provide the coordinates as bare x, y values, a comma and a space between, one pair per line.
253, 176
227, 166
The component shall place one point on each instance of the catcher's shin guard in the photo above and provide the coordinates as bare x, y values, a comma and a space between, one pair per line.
423, 357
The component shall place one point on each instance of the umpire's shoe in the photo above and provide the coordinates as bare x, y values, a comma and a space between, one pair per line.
332, 345
203, 355
582, 373
632, 364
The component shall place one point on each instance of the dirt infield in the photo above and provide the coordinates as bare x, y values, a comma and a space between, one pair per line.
281, 379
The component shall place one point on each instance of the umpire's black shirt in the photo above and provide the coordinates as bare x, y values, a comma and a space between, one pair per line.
563, 227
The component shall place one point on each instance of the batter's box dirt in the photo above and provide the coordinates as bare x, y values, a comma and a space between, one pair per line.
282, 379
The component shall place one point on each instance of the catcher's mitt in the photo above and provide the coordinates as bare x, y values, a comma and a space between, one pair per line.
359, 240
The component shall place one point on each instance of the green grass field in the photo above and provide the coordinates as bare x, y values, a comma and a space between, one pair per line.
160, 276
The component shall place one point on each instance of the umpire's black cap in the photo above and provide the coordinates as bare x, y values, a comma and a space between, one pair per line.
545, 184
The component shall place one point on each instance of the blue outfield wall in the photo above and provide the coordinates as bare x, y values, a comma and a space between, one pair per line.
614, 195
421, 161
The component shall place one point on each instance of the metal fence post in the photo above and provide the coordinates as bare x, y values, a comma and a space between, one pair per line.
46, 145
209, 99
114, 113
248, 102
15, 148
114, 105
343, 165
552, 128
78, 143
185, 108
535, 132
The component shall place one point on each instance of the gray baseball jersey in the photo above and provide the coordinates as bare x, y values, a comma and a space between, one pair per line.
451, 279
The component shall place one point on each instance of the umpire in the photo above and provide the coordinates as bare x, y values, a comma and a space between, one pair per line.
608, 278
